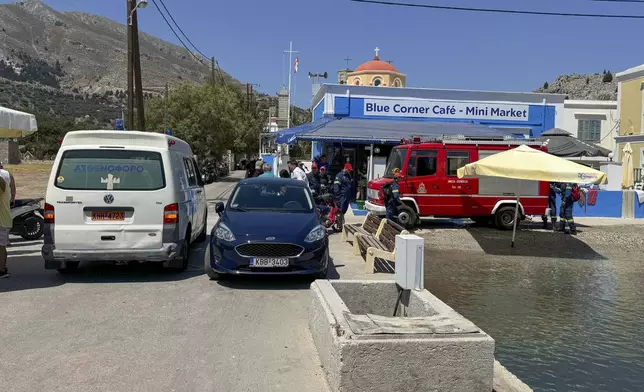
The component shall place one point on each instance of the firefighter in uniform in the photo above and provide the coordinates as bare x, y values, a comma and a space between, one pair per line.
393, 200
552, 205
342, 187
567, 204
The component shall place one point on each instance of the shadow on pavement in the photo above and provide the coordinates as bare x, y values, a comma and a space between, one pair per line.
533, 243
28, 272
229, 179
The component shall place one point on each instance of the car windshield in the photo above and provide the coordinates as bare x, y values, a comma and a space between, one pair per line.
125, 170
395, 161
271, 197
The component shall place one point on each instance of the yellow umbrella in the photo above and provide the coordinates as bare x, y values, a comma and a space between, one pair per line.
15, 124
526, 163
627, 166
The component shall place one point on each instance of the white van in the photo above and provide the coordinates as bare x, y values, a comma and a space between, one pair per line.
123, 196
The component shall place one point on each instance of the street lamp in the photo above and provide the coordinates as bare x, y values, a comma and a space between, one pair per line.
140, 4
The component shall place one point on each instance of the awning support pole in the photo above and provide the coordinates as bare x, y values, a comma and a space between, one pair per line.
370, 175
516, 214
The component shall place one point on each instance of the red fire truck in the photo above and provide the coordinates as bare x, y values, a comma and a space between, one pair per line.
429, 186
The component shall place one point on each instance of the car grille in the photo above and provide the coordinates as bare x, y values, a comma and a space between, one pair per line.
260, 249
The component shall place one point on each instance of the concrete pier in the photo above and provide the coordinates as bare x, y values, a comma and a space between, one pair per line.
362, 348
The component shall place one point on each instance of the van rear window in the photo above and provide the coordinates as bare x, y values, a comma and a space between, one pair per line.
124, 170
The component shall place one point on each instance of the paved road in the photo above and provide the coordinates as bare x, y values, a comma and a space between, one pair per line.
124, 328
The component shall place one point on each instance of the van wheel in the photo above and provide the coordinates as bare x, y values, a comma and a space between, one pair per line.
504, 218
407, 217
185, 256
70, 267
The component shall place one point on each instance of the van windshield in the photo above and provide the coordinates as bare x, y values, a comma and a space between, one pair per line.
124, 170
395, 161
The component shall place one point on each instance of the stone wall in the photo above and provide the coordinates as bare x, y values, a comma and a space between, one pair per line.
9, 152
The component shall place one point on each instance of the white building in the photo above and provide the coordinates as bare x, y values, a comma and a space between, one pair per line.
592, 121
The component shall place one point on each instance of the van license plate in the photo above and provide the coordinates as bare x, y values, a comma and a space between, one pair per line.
265, 262
108, 215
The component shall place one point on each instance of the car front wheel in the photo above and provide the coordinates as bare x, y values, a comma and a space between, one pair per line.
212, 274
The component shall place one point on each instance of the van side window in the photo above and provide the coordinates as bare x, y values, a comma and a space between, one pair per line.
456, 160
190, 172
422, 163
198, 173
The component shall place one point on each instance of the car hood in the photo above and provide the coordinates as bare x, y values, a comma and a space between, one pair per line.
253, 225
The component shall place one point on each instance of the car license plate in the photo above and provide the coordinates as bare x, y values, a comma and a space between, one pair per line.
108, 215
267, 263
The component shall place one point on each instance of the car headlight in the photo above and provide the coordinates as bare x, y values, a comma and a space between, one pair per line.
223, 233
316, 234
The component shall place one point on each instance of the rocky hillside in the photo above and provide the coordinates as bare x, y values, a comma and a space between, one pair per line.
599, 86
89, 51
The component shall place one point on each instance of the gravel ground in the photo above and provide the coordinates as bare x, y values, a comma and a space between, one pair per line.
532, 240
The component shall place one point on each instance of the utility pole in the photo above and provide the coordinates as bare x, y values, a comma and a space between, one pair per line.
212, 70
290, 52
248, 93
130, 68
137, 72
165, 106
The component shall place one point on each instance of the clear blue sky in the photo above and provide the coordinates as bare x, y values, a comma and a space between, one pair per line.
434, 48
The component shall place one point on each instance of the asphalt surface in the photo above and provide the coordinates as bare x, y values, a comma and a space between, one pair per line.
138, 328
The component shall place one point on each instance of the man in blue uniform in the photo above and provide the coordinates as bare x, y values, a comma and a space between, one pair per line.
343, 187
567, 204
552, 205
392, 197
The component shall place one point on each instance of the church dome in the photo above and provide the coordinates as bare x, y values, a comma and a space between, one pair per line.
376, 65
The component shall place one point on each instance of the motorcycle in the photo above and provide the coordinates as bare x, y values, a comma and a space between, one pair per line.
208, 173
28, 221
330, 213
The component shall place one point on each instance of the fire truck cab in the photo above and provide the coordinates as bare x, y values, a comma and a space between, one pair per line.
429, 186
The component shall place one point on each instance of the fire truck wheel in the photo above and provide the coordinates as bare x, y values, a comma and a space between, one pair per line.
407, 217
504, 218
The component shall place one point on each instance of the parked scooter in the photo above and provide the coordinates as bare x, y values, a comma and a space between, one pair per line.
28, 221
330, 213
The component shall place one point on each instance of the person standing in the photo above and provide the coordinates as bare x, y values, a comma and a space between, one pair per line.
325, 179
258, 169
314, 179
569, 195
392, 196
343, 187
322, 162
267, 171
297, 172
552, 206
5, 220
9, 177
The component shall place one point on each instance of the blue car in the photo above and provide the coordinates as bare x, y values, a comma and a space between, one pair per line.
269, 226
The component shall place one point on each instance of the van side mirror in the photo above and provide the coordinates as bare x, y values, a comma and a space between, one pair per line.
219, 208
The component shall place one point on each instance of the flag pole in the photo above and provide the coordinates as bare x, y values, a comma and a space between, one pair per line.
290, 71
288, 109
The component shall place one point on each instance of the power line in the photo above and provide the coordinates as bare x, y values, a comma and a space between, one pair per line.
175, 33
184, 34
500, 11
619, 1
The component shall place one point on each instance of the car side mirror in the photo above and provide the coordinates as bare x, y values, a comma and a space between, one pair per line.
219, 208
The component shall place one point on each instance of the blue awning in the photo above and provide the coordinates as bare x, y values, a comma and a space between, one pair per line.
289, 136
357, 130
